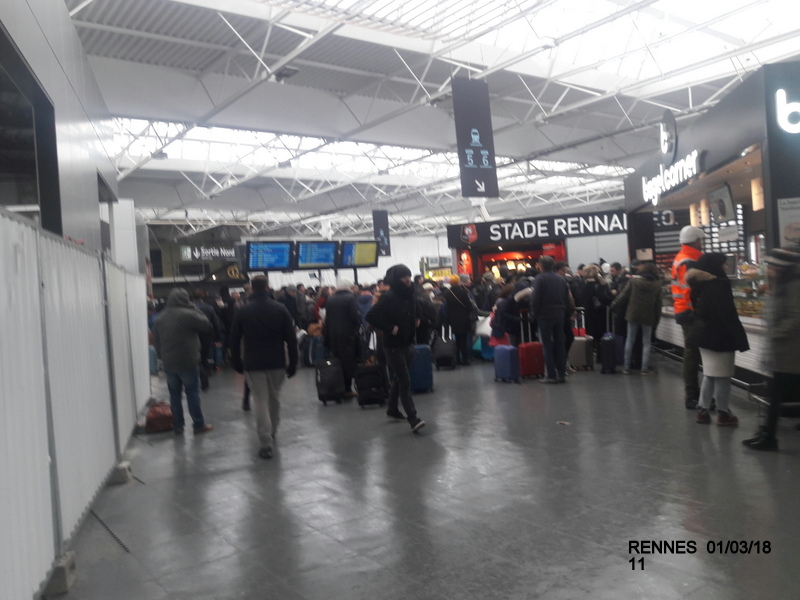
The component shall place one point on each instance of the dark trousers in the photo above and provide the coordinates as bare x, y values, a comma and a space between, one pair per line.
551, 335
399, 360
782, 388
462, 348
691, 366
345, 348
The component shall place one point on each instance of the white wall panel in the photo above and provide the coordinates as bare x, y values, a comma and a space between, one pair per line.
120, 351
139, 351
26, 519
77, 359
589, 249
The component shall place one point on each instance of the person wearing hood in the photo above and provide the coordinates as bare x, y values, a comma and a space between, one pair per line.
177, 333
341, 331
717, 332
262, 336
642, 298
394, 315
782, 355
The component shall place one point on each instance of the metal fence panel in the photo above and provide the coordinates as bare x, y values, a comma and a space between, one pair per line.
77, 365
27, 542
139, 351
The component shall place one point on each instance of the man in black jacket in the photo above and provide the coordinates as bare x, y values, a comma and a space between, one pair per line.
267, 330
549, 305
395, 316
342, 325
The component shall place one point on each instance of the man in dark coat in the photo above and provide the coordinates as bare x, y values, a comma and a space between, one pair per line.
458, 309
394, 315
177, 334
341, 331
267, 329
550, 303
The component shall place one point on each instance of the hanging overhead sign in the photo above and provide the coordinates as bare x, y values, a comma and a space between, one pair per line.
474, 137
536, 230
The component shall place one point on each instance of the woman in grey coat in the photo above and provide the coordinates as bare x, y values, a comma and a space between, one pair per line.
643, 295
782, 357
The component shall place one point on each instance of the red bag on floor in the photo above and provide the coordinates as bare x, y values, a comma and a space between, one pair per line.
159, 418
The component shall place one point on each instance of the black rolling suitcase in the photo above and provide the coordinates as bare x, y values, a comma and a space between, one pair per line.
330, 380
444, 352
371, 385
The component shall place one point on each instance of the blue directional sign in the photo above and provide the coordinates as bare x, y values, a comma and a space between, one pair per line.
474, 138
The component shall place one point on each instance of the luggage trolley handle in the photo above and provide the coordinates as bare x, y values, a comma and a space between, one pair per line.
580, 320
525, 319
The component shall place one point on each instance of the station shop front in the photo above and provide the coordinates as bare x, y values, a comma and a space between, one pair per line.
733, 172
518, 243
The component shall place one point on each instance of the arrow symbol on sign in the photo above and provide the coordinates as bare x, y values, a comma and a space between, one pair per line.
481, 186
196, 253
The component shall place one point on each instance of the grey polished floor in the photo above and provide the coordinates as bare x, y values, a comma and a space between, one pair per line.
511, 492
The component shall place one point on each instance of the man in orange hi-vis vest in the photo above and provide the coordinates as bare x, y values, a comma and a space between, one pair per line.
691, 249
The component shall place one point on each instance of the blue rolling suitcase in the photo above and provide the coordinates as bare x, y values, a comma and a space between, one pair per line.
506, 364
421, 370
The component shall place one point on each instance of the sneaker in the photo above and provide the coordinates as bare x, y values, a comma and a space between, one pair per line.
395, 414
571, 370
548, 380
417, 424
626, 371
727, 419
265, 453
762, 441
647, 371
204, 429
702, 416
178, 431
691, 404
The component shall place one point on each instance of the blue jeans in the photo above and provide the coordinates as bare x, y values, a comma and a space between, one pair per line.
647, 334
189, 380
551, 335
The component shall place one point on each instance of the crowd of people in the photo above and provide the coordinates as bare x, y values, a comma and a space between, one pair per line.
267, 333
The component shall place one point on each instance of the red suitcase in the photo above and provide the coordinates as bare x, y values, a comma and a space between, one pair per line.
531, 355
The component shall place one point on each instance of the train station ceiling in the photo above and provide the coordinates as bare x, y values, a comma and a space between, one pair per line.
306, 115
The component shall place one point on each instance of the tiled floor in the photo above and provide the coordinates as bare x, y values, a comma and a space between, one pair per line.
511, 492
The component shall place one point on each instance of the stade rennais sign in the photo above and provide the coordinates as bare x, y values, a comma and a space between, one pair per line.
536, 229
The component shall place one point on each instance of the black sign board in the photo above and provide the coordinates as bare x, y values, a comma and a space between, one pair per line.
474, 138
536, 229
380, 228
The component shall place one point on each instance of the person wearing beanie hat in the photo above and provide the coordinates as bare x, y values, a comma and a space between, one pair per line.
394, 316
691, 239
782, 353
454, 279
341, 331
